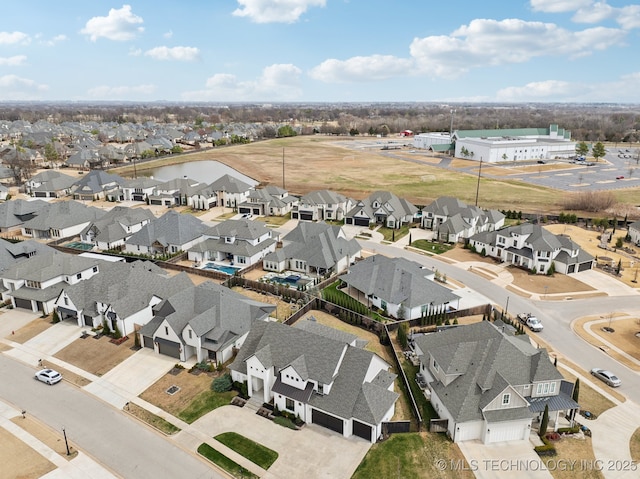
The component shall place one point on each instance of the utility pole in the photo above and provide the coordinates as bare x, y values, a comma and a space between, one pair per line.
478, 185
283, 169
451, 125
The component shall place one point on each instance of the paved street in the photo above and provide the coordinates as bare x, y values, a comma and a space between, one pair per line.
118, 441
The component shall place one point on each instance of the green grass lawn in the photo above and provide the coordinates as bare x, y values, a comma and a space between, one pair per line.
256, 453
431, 246
152, 419
203, 403
391, 234
275, 220
426, 409
412, 455
284, 422
219, 459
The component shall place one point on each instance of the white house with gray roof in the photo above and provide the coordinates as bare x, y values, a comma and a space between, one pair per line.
96, 185
534, 248
383, 208
453, 220
268, 201
319, 374
322, 205
314, 249
50, 184
139, 189
122, 294
169, 234
403, 288
489, 384
62, 219
175, 192
35, 284
12, 253
240, 242
231, 191
634, 232
207, 320
115, 227
14, 213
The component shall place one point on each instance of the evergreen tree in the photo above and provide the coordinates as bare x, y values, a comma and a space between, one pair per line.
545, 421
576, 390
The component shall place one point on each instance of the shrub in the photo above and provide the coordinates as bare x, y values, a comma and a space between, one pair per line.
222, 384
55, 318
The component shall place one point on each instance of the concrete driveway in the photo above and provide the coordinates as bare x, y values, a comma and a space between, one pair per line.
131, 377
506, 460
14, 319
313, 452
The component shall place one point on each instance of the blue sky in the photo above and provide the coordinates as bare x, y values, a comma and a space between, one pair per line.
321, 50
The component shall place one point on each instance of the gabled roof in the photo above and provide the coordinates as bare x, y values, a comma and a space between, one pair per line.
390, 204
96, 181
172, 228
230, 184
63, 214
12, 253
485, 361
397, 281
112, 226
47, 265
16, 212
323, 197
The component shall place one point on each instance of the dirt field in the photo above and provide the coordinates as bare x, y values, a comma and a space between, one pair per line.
190, 385
315, 162
283, 308
53, 439
624, 335
96, 356
571, 449
19, 460
31, 330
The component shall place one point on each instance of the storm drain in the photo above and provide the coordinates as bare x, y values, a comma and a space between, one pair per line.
172, 390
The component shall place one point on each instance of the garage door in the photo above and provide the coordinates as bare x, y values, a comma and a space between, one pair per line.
513, 431
244, 210
23, 303
40, 194
306, 216
361, 221
148, 342
362, 430
584, 266
168, 348
326, 420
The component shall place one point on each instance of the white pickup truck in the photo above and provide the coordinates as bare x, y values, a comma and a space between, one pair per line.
533, 323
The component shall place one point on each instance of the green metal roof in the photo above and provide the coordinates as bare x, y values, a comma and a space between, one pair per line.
442, 147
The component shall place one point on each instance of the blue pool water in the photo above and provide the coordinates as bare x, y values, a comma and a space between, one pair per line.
230, 270
292, 279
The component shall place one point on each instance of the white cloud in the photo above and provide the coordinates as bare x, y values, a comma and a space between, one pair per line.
53, 41
277, 82
557, 6
105, 92
13, 61
11, 38
168, 34
594, 13
13, 87
361, 69
120, 25
629, 17
185, 54
275, 11
579, 92
536, 91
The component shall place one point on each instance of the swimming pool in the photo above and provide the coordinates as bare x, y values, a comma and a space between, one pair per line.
80, 245
230, 270
292, 279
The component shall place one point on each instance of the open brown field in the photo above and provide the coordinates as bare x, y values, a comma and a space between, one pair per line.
19, 460
323, 162
96, 356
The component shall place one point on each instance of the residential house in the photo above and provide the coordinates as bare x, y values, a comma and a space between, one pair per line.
241, 242
122, 296
318, 374
175, 192
534, 248
453, 220
402, 288
63, 219
209, 321
14, 213
12, 253
322, 205
35, 284
169, 234
97, 185
203, 197
50, 184
116, 226
231, 191
634, 232
489, 384
268, 201
84, 159
314, 249
4, 192
383, 208
139, 189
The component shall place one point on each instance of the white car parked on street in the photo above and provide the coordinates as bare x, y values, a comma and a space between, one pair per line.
49, 376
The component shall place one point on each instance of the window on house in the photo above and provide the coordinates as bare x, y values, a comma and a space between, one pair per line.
79, 276
289, 404
166, 330
506, 399
546, 388
95, 269
66, 301
552, 389
190, 334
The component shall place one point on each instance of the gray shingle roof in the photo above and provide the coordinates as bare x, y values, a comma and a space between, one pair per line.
63, 214
487, 361
48, 265
15, 212
171, 228
111, 226
397, 281
12, 253
230, 184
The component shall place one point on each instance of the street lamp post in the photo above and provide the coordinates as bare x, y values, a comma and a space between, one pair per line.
66, 443
506, 307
